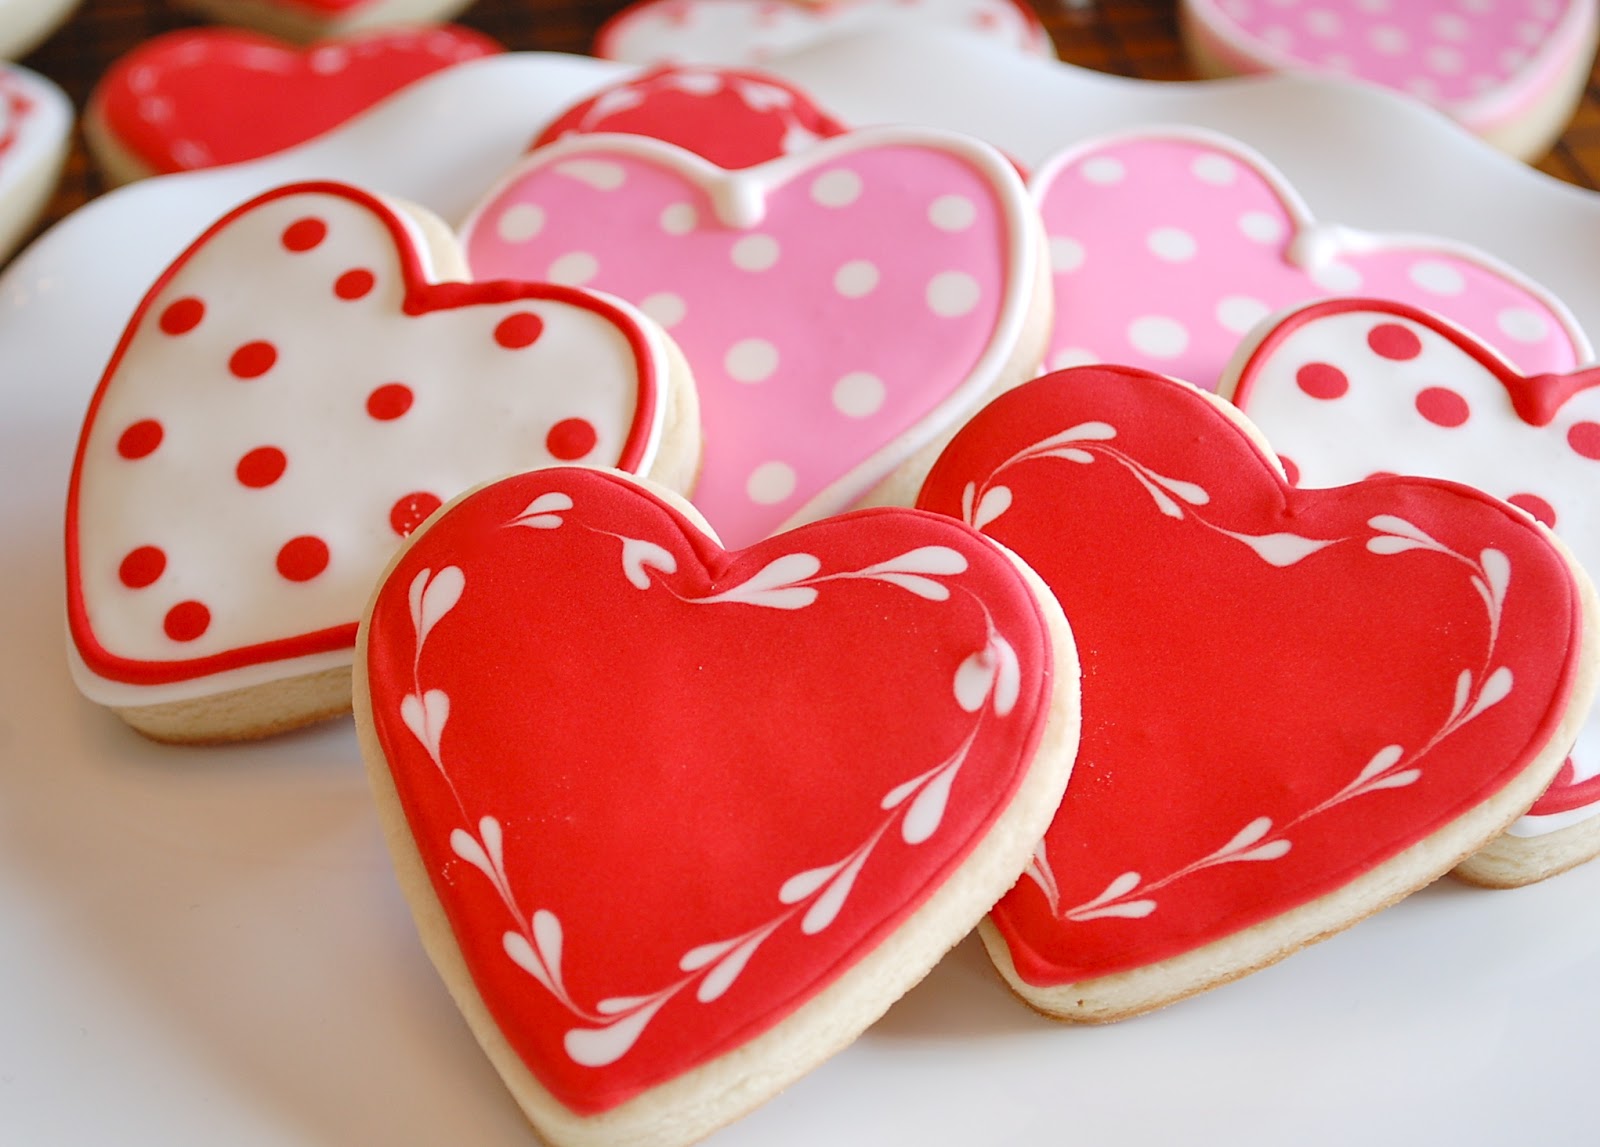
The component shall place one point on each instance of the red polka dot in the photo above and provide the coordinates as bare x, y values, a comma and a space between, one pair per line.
253, 360
409, 512
186, 621
1442, 406
304, 234
1391, 340
303, 558
140, 439
1536, 506
261, 467
182, 315
570, 439
1584, 437
1290, 470
354, 283
1322, 380
519, 330
142, 567
389, 401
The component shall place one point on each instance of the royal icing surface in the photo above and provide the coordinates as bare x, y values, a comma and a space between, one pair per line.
821, 728
291, 399
206, 96
1479, 60
1281, 688
742, 32
732, 118
1168, 246
1346, 389
838, 307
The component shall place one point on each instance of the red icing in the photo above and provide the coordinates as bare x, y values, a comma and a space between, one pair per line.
1391, 340
517, 331
303, 558
140, 440
142, 567
411, 511
182, 316
1536, 506
570, 439
1584, 438
261, 467
1229, 701
354, 284
187, 620
731, 117
764, 739
1566, 794
1442, 406
389, 401
1322, 380
304, 234
227, 95
253, 359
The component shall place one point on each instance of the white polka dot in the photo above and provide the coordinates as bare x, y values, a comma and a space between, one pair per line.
755, 252
1279, 37
1523, 325
856, 278
1173, 244
952, 213
520, 222
1449, 26
1373, 5
770, 483
838, 188
328, 61
679, 218
1437, 278
751, 360
1324, 24
666, 308
1103, 169
1073, 356
1478, 7
1066, 255
1387, 40
597, 173
573, 269
1261, 227
858, 394
1423, 87
1238, 313
1445, 60
1158, 336
1513, 58
1341, 278
952, 294
1217, 170
1530, 32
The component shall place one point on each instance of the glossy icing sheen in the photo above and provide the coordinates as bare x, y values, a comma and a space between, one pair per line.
1347, 389
1476, 59
207, 96
1169, 245
732, 118
881, 280
821, 728
291, 398
1281, 688
739, 32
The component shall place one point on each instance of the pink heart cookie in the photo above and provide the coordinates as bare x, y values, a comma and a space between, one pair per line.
744, 32
732, 118
1510, 71
1298, 705
35, 133
294, 395
1345, 389
1170, 244
201, 97
842, 309
841, 744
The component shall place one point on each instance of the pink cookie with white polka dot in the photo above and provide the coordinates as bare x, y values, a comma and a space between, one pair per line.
1509, 71
843, 309
1168, 244
297, 392
1348, 388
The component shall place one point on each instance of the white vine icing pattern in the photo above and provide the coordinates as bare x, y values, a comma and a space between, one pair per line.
1130, 896
987, 679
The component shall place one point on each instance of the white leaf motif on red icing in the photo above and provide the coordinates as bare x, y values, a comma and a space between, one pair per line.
639, 557
544, 512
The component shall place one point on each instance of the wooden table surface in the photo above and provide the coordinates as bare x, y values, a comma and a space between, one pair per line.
1127, 37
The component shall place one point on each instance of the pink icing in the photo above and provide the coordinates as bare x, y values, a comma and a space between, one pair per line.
1168, 246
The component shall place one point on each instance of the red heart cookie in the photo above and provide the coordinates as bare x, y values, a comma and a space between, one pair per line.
839, 747
294, 395
1299, 705
201, 97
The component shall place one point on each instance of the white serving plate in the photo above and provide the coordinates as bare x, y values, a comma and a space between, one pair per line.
207, 946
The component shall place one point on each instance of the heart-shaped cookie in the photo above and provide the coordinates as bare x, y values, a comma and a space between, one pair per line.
201, 97
839, 747
744, 32
35, 132
842, 309
294, 395
1299, 705
732, 118
1167, 245
1347, 388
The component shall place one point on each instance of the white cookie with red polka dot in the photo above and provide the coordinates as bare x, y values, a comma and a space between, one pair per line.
1348, 388
297, 392
1510, 71
35, 130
